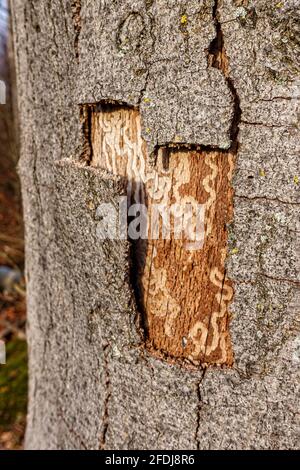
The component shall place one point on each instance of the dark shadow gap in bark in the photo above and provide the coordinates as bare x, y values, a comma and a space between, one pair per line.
92, 122
107, 386
217, 58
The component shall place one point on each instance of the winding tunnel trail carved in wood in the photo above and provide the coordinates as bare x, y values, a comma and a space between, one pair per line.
180, 285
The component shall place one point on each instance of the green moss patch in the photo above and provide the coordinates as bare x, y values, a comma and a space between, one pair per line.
13, 383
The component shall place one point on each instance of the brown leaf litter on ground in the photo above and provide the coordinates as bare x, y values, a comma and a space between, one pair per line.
13, 375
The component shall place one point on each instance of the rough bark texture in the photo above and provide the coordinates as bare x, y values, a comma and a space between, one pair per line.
93, 383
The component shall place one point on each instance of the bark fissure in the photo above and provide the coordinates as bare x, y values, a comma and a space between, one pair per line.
217, 58
107, 384
280, 279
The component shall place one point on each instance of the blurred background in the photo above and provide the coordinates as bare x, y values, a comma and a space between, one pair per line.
13, 374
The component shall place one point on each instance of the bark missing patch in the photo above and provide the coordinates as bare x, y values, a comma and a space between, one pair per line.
130, 33
105, 420
181, 286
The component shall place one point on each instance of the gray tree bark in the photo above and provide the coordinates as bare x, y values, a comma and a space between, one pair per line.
93, 382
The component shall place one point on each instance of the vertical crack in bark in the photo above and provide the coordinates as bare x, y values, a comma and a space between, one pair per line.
224, 277
76, 17
217, 58
199, 408
106, 399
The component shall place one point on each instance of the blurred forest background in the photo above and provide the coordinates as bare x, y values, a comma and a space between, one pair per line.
13, 375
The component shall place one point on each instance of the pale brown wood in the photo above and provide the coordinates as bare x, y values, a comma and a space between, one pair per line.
182, 289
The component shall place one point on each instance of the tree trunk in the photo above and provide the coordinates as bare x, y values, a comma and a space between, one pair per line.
154, 344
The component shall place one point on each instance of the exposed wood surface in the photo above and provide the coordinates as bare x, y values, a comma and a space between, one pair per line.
182, 289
